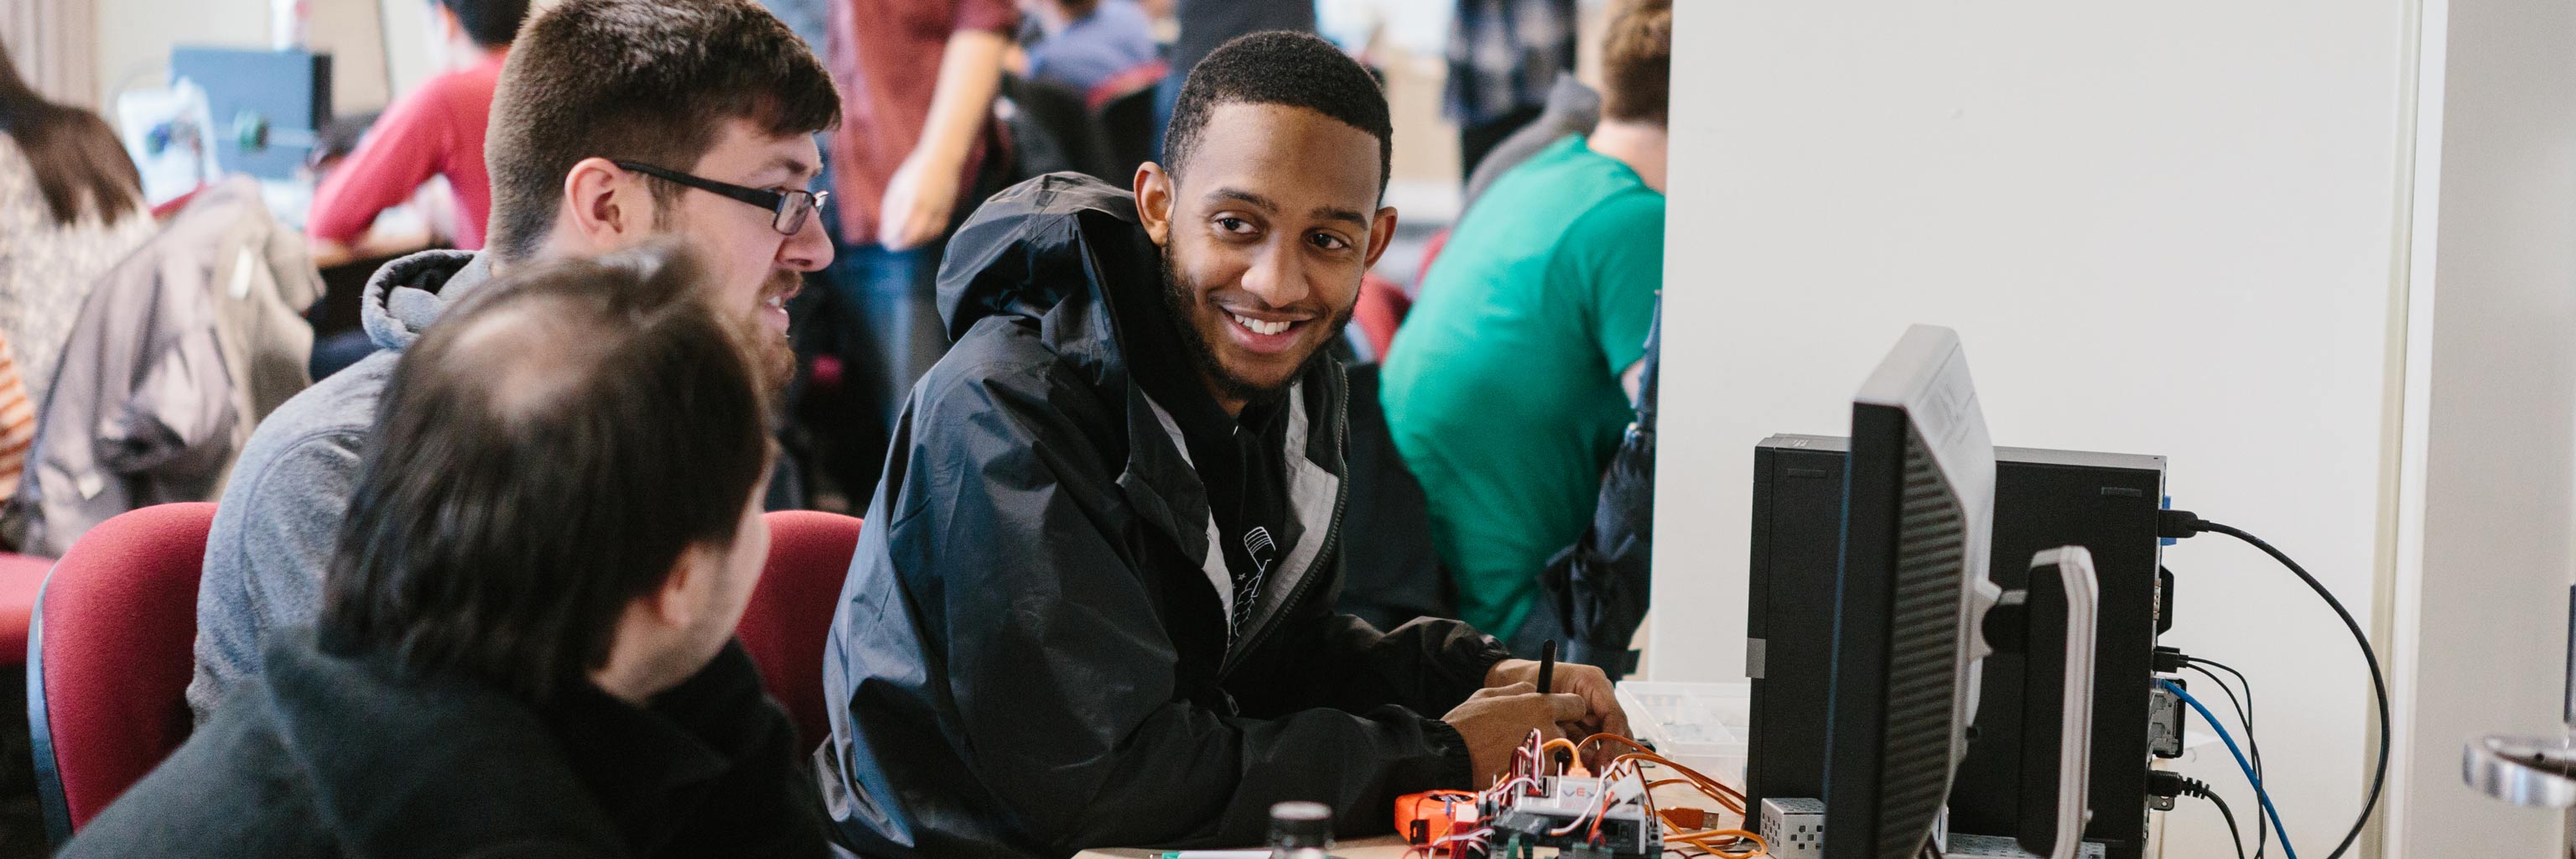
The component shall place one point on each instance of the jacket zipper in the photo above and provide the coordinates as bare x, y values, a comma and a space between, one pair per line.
1332, 533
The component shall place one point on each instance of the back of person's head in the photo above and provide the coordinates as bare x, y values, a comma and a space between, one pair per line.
1637, 62
81, 170
490, 23
1279, 67
653, 81
545, 456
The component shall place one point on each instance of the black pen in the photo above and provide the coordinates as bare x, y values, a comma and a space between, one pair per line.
1547, 667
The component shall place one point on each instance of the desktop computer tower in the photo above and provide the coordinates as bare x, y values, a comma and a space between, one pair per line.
2106, 503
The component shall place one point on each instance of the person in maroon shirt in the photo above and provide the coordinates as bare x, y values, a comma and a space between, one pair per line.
437, 130
917, 80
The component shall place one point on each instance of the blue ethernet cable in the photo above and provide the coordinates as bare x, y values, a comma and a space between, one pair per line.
2259, 792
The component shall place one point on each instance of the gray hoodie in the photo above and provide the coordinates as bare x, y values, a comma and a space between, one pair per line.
280, 514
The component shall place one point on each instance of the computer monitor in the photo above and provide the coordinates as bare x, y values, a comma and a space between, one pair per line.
1910, 595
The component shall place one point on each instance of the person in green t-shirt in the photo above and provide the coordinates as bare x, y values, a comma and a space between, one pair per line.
1512, 379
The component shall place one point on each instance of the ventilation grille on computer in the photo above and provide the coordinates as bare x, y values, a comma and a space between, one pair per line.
1923, 658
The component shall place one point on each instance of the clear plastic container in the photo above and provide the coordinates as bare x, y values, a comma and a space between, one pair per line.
1703, 726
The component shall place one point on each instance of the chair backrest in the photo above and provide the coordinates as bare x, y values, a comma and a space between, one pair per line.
1380, 310
1128, 117
109, 654
1052, 130
791, 611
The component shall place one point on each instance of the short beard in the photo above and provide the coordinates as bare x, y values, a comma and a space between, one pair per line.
1182, 299
773, 353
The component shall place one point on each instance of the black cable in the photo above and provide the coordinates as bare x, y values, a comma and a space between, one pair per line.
2245, 715
2198, 788
2178, 523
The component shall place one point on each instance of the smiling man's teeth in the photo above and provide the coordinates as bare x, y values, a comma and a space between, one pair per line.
1259, 327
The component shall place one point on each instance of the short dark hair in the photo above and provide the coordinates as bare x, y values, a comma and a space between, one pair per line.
490, 23
540, 459
1281, 67
1637, 62
642, 80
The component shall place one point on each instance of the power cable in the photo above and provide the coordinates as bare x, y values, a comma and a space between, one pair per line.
2181, 523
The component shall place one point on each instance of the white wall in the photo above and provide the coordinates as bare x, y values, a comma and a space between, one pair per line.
2161, 228
409, 58
134, 37
2478, 594
353, 34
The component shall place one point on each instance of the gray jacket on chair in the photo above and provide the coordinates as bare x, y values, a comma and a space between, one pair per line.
280, 515
178, 352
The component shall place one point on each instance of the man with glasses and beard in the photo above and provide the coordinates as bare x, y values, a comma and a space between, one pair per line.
615, 122
1093, 604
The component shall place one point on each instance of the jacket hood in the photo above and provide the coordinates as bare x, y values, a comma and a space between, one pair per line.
1037, 243
407, 294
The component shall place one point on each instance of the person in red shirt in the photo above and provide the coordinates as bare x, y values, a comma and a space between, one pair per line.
917, 81
437, 130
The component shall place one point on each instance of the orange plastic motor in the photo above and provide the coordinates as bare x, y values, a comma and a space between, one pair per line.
1425, 818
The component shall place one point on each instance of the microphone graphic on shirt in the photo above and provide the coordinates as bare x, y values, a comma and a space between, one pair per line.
1258, 546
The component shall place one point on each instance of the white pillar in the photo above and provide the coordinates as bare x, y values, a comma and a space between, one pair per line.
2485, 546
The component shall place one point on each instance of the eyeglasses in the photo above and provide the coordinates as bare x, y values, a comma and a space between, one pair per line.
789, 209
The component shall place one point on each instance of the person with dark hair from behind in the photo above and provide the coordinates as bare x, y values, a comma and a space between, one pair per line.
1093, 604
615, 121
1512, 381
71, 206
525, 642
436, 130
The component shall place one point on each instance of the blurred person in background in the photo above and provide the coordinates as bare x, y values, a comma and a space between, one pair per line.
525, 645
1088, 43
436, 130
1572, 108
917, 81
1503, 56
71, 206
17, 422
1513, 380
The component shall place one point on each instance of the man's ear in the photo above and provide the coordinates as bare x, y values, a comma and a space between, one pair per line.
1154, 202
683, 593
604, 207
1381, 233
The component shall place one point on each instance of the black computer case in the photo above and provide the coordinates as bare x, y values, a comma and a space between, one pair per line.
2106, 503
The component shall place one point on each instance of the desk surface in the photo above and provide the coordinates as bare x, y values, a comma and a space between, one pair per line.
1393, 847
1388, 847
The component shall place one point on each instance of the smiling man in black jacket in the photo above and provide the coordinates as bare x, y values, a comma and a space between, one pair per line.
1093, 602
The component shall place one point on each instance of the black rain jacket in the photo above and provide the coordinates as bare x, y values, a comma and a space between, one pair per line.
1030, 655
338, 752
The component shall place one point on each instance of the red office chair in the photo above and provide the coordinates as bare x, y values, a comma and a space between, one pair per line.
1380, 311
21, 576
791, 611
1431, 249
109, 655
